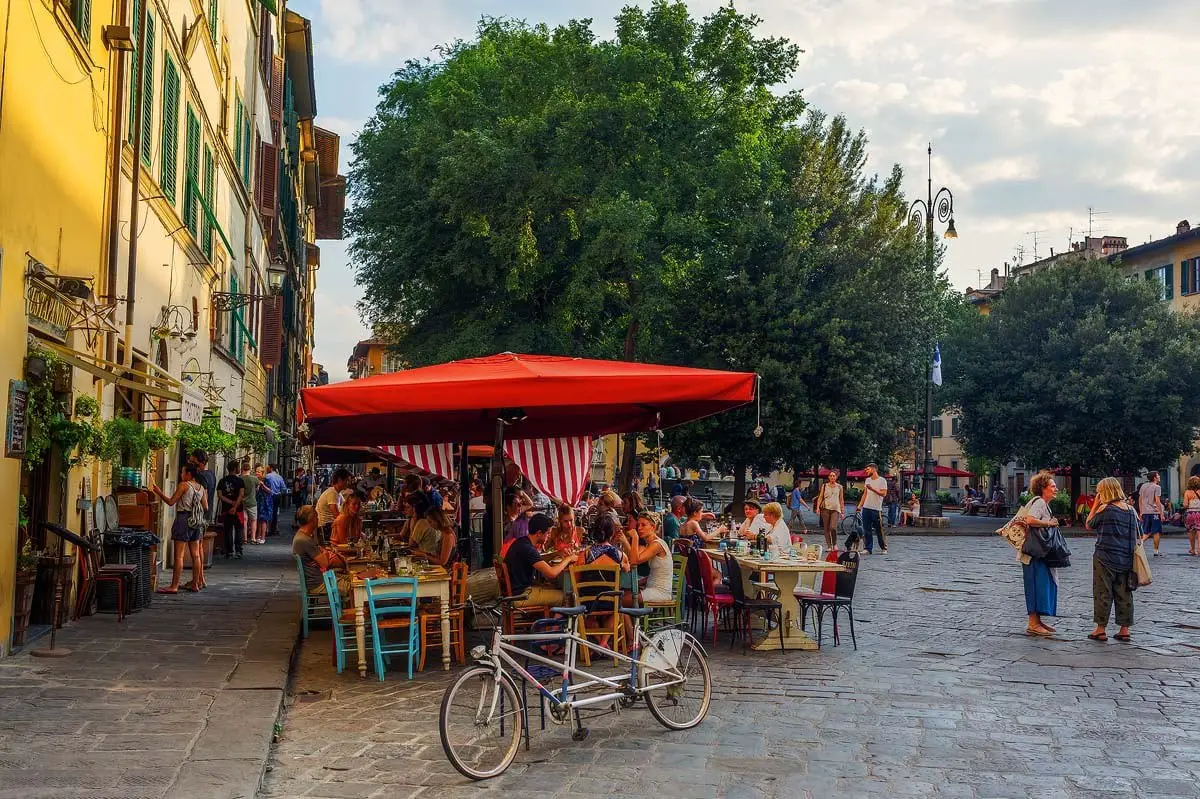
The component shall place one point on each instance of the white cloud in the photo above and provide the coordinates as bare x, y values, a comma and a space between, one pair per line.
1017, 167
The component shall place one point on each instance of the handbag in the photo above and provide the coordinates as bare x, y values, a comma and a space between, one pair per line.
1015, 531
1141, 564
1058, 555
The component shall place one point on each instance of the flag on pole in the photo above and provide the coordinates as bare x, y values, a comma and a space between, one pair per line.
936, 376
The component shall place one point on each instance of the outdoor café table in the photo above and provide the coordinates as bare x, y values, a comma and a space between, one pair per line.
787, 573
432, 581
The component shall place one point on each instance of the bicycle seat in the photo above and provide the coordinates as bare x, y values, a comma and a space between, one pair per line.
578, 610
637, 613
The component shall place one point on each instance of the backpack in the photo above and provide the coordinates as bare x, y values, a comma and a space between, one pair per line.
197, 519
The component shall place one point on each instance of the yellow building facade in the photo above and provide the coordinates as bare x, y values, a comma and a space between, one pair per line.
55, 113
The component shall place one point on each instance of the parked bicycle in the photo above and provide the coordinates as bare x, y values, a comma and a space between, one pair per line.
483, 713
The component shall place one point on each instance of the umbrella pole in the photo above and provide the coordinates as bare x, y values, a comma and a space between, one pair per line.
464, 496
498, 490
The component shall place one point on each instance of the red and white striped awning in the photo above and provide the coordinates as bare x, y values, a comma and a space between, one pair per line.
436, 459
559, 467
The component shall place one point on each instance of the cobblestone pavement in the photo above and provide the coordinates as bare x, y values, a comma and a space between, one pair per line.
945, 697
179, 700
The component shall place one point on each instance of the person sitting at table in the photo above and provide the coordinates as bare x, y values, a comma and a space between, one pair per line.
565, 536
648, 547
910, 511
754, 523
607, 504
632, 505
315, 559
347, 527
426, 537
517, 507
691, 529
779, 537
442, 548
524, 560
608, 548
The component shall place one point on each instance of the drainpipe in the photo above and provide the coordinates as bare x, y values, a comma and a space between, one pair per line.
114, 199
135, 100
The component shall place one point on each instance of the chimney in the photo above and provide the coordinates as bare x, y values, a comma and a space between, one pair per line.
1182, 227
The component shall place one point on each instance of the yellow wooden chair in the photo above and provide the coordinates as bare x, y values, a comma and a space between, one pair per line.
603, 619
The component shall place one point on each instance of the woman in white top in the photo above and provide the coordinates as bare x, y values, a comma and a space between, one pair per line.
648, 547
780, 536
188, 496
1041, 588
831, 504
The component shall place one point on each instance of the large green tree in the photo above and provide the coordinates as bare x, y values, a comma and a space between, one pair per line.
657, 196
1076, 366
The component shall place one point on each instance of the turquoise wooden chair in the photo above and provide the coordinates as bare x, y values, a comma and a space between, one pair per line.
313, 607
344, 636
395, 609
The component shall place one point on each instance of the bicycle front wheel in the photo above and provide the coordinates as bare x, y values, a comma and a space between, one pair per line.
481, 723
685, 704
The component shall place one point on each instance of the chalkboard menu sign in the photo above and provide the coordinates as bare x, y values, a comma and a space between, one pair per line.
14, 430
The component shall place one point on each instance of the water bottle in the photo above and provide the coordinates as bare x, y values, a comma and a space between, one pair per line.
761, 541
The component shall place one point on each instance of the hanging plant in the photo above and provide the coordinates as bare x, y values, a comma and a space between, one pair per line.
86, 406
125, 442
158, 439
207, 436
44, 409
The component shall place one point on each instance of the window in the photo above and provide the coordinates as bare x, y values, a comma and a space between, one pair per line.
955, 425
1189, 276
1165, 279
191, 155
954, 478
81, 17
937, 428
169, 155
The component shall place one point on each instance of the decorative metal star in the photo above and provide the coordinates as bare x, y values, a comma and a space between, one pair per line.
93, 319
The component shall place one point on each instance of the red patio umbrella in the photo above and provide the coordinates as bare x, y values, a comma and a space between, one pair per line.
940, 471
541, 396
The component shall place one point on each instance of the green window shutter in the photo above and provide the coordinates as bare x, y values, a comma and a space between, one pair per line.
235, 328
1169, 281
212, 20
192, 169
246, 161
148, 93
81, 15
206, 228
237, 132
137, 27
1184, 289
169, 155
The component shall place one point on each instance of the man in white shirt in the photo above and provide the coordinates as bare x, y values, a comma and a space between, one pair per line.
870, 505
1150, 506
754, 523
330, 501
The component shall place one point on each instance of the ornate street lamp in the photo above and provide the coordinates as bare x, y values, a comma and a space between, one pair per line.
921, 214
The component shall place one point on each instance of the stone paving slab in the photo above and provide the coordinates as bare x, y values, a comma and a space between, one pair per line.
179, 700
945, 697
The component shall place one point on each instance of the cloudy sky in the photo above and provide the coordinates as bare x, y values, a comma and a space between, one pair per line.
1037, 109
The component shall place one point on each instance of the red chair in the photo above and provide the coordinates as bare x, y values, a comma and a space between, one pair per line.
714, 600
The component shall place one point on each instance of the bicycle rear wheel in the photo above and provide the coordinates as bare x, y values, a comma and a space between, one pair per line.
684, 705
481, 723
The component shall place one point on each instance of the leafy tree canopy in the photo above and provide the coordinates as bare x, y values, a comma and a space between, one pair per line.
1077, 366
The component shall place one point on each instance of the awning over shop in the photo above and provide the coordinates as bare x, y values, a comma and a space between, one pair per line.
153, 381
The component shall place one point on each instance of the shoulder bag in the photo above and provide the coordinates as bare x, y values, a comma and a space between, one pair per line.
197, 519
1141, 564
1015, 531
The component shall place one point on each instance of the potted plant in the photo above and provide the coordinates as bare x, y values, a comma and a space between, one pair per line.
27, 568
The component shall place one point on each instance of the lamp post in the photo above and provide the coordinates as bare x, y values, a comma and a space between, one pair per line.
922, 213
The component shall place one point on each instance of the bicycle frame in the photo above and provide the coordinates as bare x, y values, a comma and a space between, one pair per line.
502, 651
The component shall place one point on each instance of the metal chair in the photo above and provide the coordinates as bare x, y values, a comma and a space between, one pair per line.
744, 608
313, 607
842, 597
392, 604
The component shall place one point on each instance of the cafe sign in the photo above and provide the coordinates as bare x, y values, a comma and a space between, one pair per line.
18, 419
48, 311
228, 421
192, 406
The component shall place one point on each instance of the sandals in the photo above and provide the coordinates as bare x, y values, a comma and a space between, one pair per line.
1122, 638
167, 591
1098, 637
191, 586
1042, 632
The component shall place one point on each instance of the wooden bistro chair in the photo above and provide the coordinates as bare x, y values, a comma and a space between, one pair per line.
603, 619
671, 610
430, 620
95, 573
344, 636
313, 607
393, 609
517, 620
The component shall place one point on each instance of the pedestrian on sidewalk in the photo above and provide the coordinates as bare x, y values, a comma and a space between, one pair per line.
1150, 507
1041, 585
832, 503
199, 463
266, 505
300, 487
1191, 514
250, 506
279, 493
891, 502
795, 503
870, 505
188, 528
1113, 581
231, 493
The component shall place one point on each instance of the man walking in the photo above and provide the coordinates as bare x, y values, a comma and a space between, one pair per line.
232, 493
1150, 506
795, 503
891, 502
278, 486
870, 505
250, 502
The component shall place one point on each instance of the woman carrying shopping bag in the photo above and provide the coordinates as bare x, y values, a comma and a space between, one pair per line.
1116, 524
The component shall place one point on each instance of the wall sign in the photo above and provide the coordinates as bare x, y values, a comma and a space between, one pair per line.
228, 421
192, 406
18, 420
47, 310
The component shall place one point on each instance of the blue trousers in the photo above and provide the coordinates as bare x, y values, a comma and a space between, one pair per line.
871, 524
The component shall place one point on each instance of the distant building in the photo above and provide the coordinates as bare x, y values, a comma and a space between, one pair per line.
1172, 262
982, 297
374, 356
1091, 247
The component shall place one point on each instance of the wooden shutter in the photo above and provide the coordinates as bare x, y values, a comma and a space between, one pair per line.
246, 151
268, 177
191, 182
237, 131
210, 181
1184, 288
168, 166
277, 91
270, 349
136, 27
148, 94
1169, 282
82, 13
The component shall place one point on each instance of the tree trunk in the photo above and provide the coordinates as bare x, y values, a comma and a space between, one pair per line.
629, 456
1075, 484
739, 491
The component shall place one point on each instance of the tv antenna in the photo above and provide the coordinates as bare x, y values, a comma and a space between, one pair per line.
1092, 214
1035, 234
1019, 255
